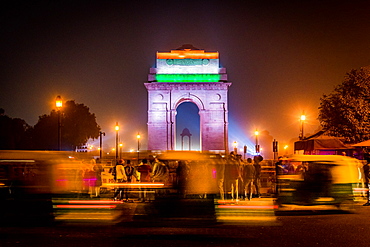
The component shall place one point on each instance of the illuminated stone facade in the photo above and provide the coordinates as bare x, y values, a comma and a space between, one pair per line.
187, 75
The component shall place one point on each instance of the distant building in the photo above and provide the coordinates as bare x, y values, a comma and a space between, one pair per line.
320, 143
82, 149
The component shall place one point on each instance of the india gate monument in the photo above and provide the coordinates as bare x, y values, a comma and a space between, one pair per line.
187, 74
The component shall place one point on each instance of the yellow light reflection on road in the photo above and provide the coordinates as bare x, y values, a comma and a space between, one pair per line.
259, 211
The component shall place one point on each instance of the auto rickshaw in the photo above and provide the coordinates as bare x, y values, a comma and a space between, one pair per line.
319, 180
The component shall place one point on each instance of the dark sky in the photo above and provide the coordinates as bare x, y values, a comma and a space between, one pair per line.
281, 57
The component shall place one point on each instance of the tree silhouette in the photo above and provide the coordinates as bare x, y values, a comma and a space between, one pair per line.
13, 132
346, 111
77, 123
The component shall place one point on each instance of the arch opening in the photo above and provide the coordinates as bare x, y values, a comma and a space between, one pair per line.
187, 117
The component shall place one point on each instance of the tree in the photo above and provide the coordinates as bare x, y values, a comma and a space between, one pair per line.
346, 111
78, 125
13, 132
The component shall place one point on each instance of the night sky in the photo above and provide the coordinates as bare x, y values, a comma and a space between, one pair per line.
281, 57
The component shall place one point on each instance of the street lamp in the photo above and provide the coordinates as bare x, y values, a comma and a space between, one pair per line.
256, 133
59, 105
286, 149
117, 129
101, 144
138, 145
303, 118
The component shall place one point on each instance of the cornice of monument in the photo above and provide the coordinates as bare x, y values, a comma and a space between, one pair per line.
188, 86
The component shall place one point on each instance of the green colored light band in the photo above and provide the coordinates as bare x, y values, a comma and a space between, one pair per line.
187, 77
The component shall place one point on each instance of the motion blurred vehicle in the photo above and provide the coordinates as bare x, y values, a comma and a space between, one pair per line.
319, 180
29, 180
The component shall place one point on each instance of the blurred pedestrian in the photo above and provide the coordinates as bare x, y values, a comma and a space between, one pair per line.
130, 175
182, 175
129, 171
144, 169
220, 176
160, 174
257, 175
240, 185
98, 169
120, 177
231, 177
90, 178
120, 172
289, 168
248, 176
279, 166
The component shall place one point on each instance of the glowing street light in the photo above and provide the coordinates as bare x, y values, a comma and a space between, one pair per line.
303, 118
59, 105
58, 102
286, 149
117, 129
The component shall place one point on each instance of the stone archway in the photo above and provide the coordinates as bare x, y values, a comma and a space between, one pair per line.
188, 75
187, 120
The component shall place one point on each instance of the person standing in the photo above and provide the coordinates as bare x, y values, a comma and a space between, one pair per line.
279, 170
120, 178
130, 173
248, 176
144, 169
89, 178
98, 169
257, 174
160, 174
231, 176
289, 167
220, 176
120, 172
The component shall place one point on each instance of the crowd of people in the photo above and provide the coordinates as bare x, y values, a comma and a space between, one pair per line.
241, 179
145, 172
229, 178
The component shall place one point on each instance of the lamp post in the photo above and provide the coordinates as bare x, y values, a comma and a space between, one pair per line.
59, 105
235, 144
101, 144
275, 149
120, 150
138, 146
303, 118
257, 146
117, 129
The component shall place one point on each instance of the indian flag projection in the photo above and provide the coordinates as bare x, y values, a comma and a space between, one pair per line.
187, 74
187, 65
